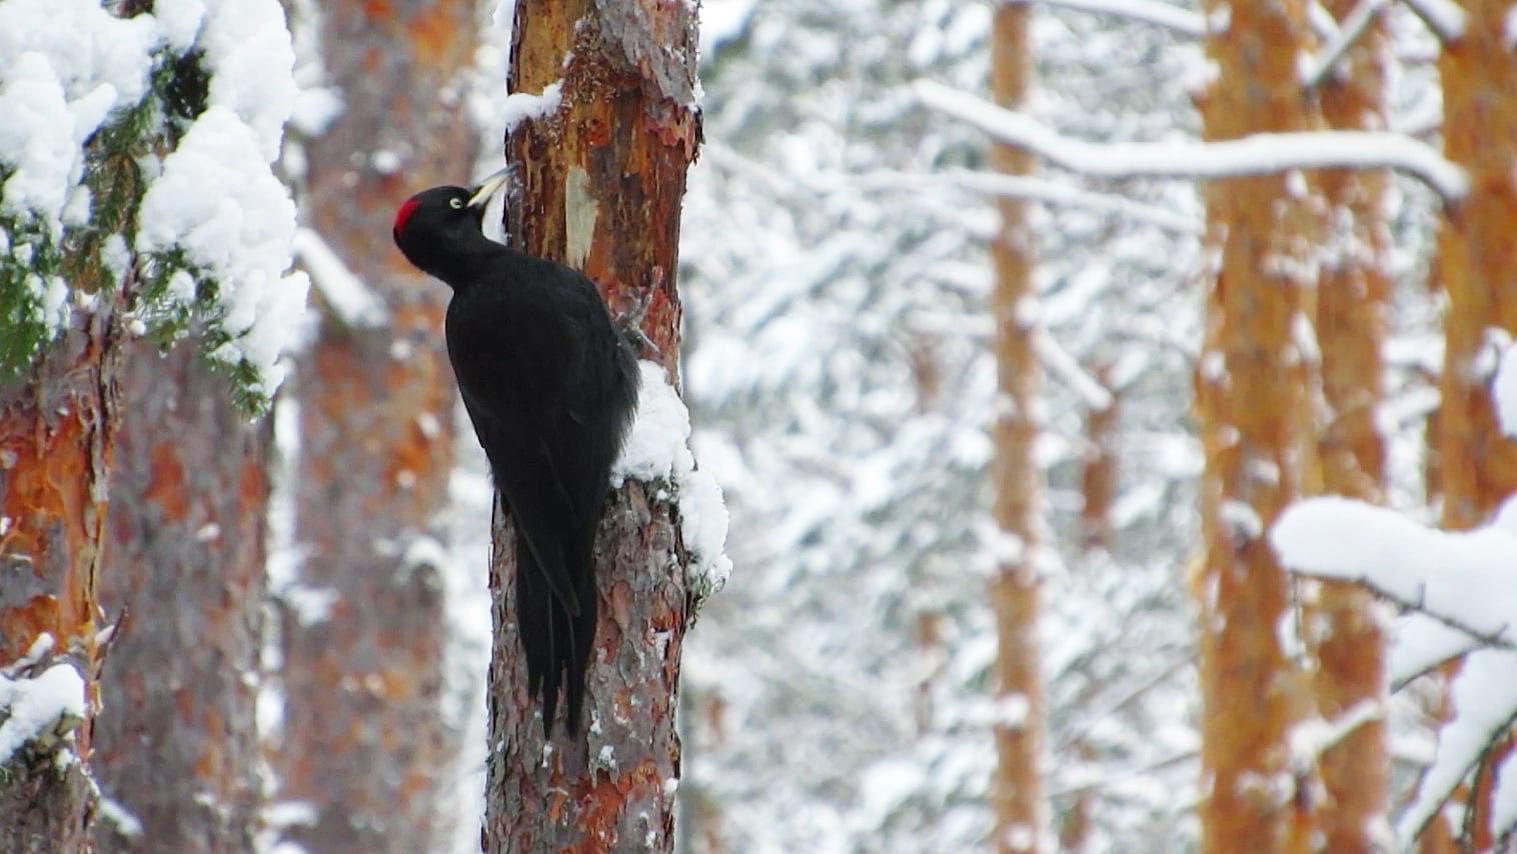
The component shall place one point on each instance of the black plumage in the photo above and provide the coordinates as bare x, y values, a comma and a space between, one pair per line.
550, 385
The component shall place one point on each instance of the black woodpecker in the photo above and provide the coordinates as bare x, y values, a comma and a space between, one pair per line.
550, 385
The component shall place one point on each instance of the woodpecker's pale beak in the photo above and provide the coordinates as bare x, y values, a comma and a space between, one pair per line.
489, 187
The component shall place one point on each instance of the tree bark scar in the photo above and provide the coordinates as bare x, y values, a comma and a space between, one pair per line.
580, 212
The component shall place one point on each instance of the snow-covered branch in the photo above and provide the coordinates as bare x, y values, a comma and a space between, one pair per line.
1443, 17
1259, 154
1031, 189
1181, 21
1063, 364
349, 298
1463, 579
1354, 26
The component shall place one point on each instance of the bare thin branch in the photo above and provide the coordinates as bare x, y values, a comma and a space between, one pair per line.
1258, 154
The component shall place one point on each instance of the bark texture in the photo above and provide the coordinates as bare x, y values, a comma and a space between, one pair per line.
1477, 261
57, 429
363, 740
599, 187
1251, 403
177, 745
1346, 640
1017, 791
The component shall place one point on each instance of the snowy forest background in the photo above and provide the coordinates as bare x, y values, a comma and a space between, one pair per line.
839, 360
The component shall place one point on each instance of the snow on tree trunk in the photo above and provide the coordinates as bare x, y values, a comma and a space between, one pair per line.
1477, 467
1251, 400
601, 172
57, 436
177, 746
1343, 632
1017, 792
364, 632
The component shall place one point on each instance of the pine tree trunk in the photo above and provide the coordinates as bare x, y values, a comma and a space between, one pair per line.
177, 746
1017, 791
364, 740
1477, 466
601, 179
1251, 402
57, 435
1344, 633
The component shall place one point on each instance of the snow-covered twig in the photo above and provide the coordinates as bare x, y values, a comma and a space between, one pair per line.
1023, 187
1259, 154
1311, 738
1324, 26
1181, 21
1443, 17
1354, 26
1044, 191
1461, 579
1060, 362
349, 298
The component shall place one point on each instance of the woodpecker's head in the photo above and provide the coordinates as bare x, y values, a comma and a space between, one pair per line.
434, 226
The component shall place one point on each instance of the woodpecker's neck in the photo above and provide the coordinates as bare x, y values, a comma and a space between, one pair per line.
466, 259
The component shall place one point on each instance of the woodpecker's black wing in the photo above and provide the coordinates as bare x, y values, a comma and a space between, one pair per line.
549, 385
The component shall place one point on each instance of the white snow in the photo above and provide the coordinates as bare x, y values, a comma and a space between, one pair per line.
524, 106
1484, 697
65, 66
251, 60
344, 292
1443, 17
37, 704
1465, 578
241, 234
113, 811
1504, 389
657, 448
1258, 154
1462, 590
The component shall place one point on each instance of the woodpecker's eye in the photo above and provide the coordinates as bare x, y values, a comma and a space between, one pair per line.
456, 204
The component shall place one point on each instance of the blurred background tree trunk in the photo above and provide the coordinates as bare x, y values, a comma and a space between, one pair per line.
1017, 791
177, 745
1477, 466
601, 181
1252, 401
362, 620
1341, 627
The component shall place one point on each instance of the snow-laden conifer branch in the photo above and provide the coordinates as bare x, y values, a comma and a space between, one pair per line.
1462, 579
1154, 12
1354, 26
1445, 18
1258, 154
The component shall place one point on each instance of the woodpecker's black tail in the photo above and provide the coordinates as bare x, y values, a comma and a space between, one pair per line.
557, 644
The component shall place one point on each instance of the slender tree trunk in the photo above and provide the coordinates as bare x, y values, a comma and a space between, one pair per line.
1477, 263
177, 746
364, 740
1252, 402
1344, 633
1017, 792
57, 436
601, 178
